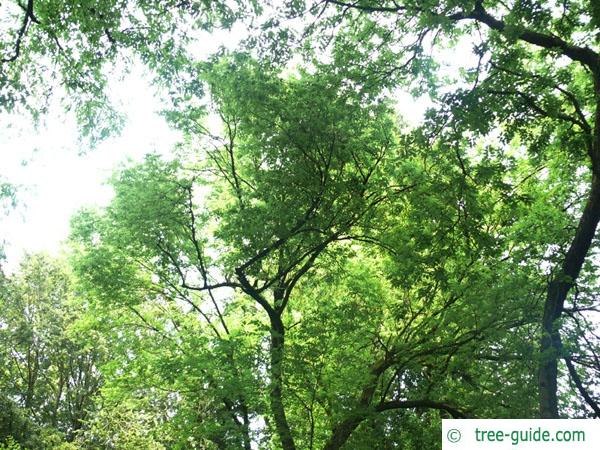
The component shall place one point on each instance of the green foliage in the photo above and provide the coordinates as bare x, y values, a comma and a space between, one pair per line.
120, 427
16, 429
312, 274
9, 444
71, 47
49, 376
386, 259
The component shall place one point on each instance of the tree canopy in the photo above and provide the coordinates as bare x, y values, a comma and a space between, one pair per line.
306, 270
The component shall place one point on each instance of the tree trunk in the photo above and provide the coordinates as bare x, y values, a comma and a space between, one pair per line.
276, 373
343, 429
246, 426
558, 288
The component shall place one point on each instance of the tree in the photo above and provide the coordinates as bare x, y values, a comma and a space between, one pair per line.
15, 428
69, 48
49, 375
369, 260
314, 274
537, 78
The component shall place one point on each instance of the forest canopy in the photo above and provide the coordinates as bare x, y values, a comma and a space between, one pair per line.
306, 270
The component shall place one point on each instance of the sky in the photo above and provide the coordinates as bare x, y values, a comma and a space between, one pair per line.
55, 180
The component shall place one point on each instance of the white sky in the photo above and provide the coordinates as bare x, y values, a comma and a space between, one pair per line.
55, 181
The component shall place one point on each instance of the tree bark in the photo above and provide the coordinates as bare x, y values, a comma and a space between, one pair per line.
343, 429
556, 294
246, 426
276, 387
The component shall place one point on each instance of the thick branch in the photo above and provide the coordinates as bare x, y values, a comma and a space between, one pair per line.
558, 288
343, 429
252, 292
409, 404
583, 55
21, 33
582, 390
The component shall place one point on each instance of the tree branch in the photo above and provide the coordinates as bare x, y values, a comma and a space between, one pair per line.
410, 404
22, 31
366, 8
584, 55
580, 387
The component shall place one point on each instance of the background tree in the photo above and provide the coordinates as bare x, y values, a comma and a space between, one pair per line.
49, 375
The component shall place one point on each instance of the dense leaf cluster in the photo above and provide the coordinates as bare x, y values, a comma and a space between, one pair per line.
306, 271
